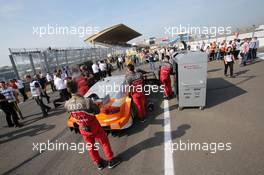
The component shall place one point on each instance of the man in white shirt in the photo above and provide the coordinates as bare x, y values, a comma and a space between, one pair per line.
103, 67
61, 87
229, 62
96, 71
21, 88
59, 82
237, 49
36, 89
252, 45
255, 49
50, 81
120, 62
63, 74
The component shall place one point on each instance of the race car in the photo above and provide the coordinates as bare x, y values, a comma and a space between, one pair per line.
116, 107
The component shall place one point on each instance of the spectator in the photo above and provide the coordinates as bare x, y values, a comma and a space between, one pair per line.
218, 55
96, 71
252, 45
63, 74
237, 48
54, 74
202, 47
207, 51
84, 70
109, 68
212, 51
103, 68
9, 94
245, 52
222, 49
255, 48
229, 62
50, 81
151, 62
61, 87
9, 111
21, 89
121, 62
117, 64
12, 84
36, 89
43, 83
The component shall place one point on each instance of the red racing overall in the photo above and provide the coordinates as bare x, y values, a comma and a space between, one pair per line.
82, 85
135, 81
165, 71
84, 110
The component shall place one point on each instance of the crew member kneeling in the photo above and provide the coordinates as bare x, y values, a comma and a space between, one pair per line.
135, 82
165, 71
84, 111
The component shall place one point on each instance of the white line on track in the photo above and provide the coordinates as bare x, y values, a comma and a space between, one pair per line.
168, 154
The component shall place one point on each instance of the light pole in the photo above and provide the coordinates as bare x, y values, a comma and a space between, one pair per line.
253, 30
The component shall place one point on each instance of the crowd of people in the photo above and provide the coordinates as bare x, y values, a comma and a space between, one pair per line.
243, 50
239, 48
10, 91
84, 75
101, 69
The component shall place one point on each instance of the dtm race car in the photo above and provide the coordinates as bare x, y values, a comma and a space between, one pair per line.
117, 110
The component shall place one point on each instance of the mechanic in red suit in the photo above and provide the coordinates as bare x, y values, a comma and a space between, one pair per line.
84, 111
135, 82
165, 72
81, 81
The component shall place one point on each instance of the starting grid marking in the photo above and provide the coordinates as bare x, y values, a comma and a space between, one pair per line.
168, 154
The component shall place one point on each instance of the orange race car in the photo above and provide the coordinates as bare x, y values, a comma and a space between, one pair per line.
117, 109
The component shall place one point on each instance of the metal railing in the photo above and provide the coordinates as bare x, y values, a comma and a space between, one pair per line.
32, 61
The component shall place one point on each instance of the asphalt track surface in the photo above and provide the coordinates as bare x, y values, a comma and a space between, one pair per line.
234, 114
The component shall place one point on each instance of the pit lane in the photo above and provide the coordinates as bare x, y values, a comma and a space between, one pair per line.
233, 114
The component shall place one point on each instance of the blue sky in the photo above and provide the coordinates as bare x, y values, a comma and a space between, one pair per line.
149, 17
